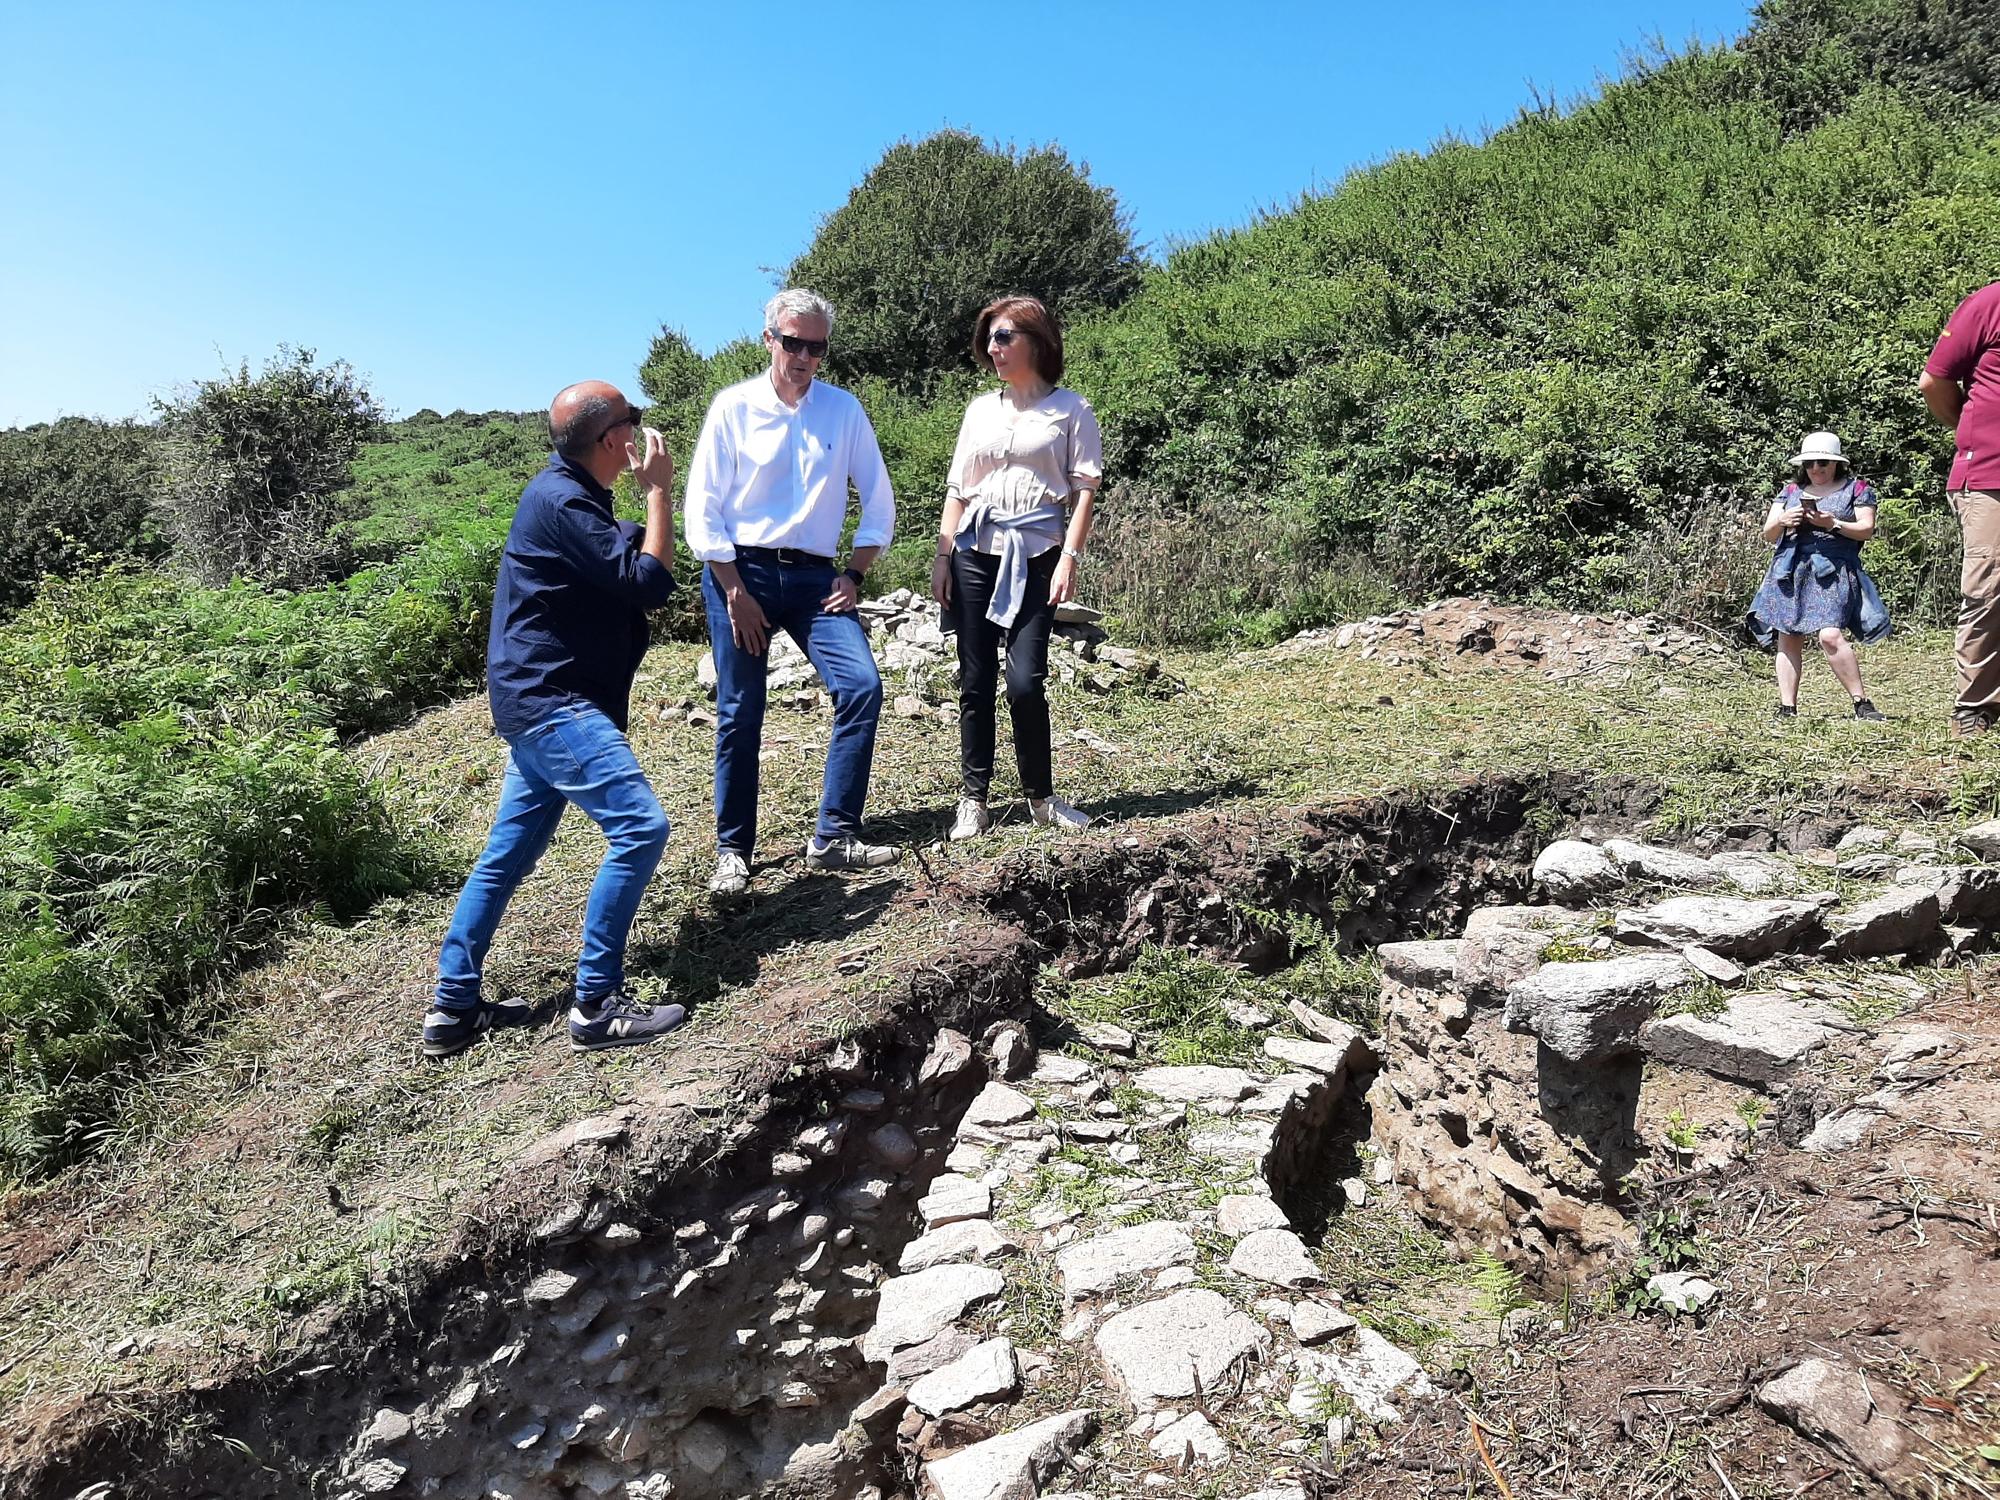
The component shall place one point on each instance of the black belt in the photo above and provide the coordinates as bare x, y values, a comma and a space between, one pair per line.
785, 557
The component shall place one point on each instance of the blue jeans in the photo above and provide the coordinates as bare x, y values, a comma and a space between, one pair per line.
837, 646
574, 755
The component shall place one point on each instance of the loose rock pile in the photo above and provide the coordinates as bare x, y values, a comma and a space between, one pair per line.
1464, 633
920, 663
1117, 1245
1515, 1099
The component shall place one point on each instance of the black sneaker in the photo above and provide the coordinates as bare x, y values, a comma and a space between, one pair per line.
1785, 711
1966, 722
449, 1032
619, 1020
1864, 708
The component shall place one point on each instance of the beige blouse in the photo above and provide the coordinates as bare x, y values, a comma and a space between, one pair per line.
1019, 462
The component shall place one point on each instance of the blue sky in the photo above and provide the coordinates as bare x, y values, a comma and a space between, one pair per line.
476, 204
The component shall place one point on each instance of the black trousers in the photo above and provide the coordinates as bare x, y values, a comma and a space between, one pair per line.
1027, 640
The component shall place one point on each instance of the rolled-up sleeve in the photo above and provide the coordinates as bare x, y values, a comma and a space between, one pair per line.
1086, 450
710, 473
607, 554
871, 479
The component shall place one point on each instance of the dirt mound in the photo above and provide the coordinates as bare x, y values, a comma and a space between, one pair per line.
1457, 634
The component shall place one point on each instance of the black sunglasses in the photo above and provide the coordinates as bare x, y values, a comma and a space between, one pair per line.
812, 348
633, 417
1003, 336
1814, 463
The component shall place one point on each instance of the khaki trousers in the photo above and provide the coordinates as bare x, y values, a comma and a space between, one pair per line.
1979, 601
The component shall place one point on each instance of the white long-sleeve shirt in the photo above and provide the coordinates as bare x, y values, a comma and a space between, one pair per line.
765, 474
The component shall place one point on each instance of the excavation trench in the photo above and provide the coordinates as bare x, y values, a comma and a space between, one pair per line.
698, 1322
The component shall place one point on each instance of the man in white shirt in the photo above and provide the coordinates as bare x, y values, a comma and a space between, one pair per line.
766, 502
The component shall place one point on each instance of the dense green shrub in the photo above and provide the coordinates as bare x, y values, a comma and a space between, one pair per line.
940, 227
171, 784
74, 495
259, 470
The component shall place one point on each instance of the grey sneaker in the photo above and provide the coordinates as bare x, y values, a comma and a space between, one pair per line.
1053, 812
849, 853
972, 820
732, 874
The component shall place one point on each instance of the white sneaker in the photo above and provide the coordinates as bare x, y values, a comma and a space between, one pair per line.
732, 875
973, 819
1053, 812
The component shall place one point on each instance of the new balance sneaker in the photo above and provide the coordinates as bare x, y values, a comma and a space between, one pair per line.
448, 1032
619, 1020
849, 853
1966, 722
1865, 709
1784, 711
732, 874
972, 820
1053, 812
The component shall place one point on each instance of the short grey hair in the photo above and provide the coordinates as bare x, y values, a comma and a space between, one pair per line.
797, 302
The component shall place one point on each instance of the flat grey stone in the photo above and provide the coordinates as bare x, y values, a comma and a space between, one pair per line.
1841, 1132
1108, 1038
1983, 839
1234, 1140
1092, 1266
1712, 965
1326, 1058
1162, 1352
1368, 1371
893, 1146
1968, 895
953, 1198
1751, 873
1057, 1068
916, 1307
1239, 1214
1904, 919
1275, 1256
1914, 1047
1314, 1322
913, 1361
1734, 926
1193, 1436
1320, 1027
1869, 867
1485, 919
985, 1372
1683, 1291
950, 1055
1013, 1466
1759, 1039
1862, 836
1201, 1084
1587, 1012
965, 1240
1422, 965
997, 1105
1834, 1406
1662, 866
1572, 870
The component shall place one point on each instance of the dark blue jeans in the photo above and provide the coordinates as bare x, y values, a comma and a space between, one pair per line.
575, 755
837, 646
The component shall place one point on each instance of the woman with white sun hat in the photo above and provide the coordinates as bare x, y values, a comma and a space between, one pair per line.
1816, 584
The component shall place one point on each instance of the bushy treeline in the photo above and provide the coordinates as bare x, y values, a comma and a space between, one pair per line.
1567, 362
171, 778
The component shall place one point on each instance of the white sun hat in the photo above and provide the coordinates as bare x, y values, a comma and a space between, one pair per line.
1819, 445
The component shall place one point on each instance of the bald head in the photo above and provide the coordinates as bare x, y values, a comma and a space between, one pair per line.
579, 414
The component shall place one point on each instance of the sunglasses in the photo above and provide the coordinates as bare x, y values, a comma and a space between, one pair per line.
793, 344
1814, 463
632, 418
1003, 336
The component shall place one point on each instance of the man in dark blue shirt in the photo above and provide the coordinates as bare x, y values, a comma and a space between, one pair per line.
569, 628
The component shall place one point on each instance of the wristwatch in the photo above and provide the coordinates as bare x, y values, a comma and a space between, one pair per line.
854, 573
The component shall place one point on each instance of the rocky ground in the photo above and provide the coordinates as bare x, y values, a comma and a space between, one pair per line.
1139, 1279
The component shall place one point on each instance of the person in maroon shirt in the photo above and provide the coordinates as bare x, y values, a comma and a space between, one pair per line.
1961, 386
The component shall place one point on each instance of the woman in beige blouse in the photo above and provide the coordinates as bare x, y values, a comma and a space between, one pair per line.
1017, 510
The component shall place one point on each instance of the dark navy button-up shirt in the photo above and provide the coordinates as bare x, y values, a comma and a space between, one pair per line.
569, 608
